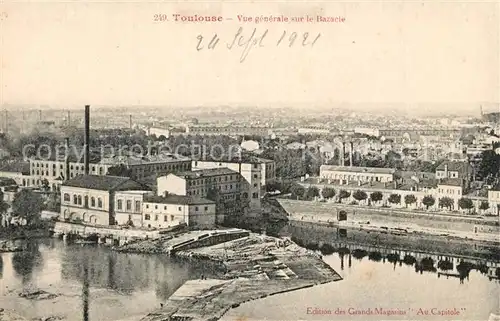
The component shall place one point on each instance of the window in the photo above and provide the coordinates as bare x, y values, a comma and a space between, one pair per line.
255, 176
137, 206
255, 195
79, 200
92, 203
206, 208
180, 209
156, 217
147, 205
67, 198
165, 207
196, 208
255, 185
171, 217
129, 205
156, 207
147, 217
165, 218
99, 202
75, 199
119, 204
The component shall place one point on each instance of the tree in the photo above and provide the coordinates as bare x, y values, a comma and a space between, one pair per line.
410, 199
446, 202
3, 207
490, 163
394, 198
27, 205
376, 196
428, 201
297, 191
465, 203
484, 206
360, 195
312, 192
328, 192
344, 194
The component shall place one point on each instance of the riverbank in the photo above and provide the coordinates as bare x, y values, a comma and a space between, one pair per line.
402, 223
253, 267
40, 230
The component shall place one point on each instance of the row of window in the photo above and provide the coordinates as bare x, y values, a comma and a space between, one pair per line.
357, 177
159, 167
78, 200
128, 205
147, 217
198, 182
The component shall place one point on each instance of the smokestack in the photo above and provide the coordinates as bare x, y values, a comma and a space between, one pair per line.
40, 115
6, 126
342, 154
66, 160
130, 121
350, 153
69, 118
87, 140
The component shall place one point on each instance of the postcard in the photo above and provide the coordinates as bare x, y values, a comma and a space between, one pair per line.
249, 160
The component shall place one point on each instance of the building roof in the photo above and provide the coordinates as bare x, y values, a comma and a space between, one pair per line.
16, 167
177, 199
4, 181
451, 182
206, 173
141, 160
454, 166
243, 158
356, 169
104, 183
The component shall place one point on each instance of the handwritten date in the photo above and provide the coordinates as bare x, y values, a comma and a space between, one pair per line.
256, 40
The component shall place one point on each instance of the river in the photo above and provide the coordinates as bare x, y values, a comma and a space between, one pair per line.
95, 283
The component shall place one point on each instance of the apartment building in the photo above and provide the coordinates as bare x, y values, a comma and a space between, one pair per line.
172, 210
222, 185
150, 165
255, 171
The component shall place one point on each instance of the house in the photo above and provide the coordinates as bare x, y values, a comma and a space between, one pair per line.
91, 198
494, 199
449, 169
172, 210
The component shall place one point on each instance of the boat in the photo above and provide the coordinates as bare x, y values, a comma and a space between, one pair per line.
454, 275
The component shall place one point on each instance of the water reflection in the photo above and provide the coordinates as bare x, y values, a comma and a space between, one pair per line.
25, 262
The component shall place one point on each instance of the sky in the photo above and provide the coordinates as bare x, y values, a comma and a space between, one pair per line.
110, 53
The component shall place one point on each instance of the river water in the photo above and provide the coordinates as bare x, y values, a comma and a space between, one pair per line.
95, 283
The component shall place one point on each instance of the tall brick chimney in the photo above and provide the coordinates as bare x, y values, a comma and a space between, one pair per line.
351, 152
86, 146
66, 160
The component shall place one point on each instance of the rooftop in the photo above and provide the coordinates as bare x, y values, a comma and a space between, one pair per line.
243, 158
104, 183
451, 182
177, 199
206, 173
356, 169
15, 167
454, 166
140, 160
